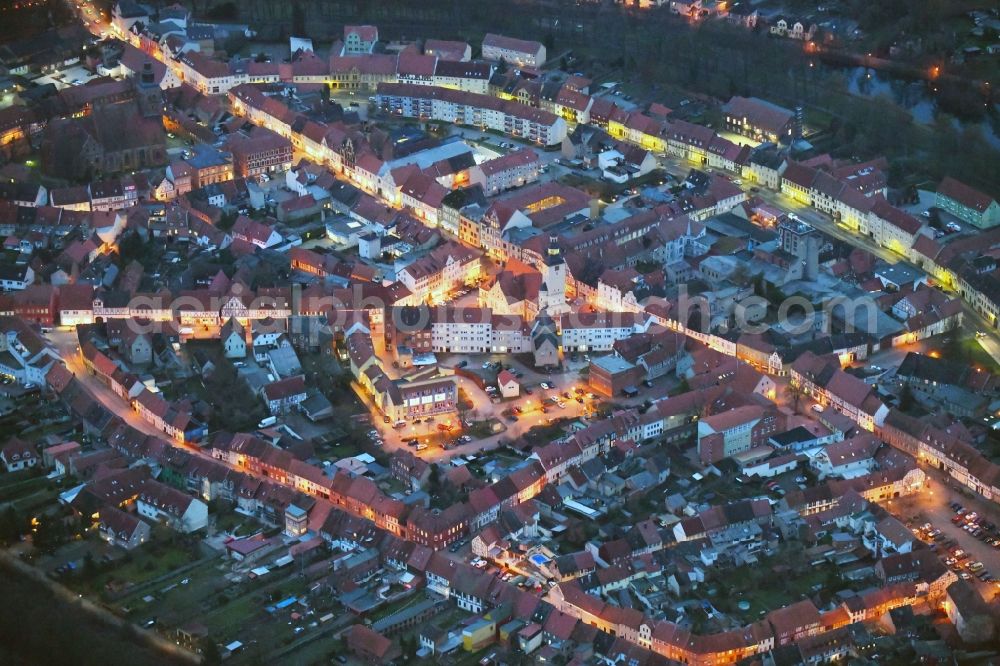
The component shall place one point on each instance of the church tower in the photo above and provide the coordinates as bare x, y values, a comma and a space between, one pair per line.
149, 93
552, 296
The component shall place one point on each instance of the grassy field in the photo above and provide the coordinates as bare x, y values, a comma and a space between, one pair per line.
144, 564
20, 484
38, 628
978, 356
183, 601
27, 492
758, 585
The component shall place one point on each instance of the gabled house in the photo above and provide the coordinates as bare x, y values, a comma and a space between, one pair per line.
17, 455
180, 511
281, 396
233, 338
122, 529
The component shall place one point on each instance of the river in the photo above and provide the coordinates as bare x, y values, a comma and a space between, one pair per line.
914, 96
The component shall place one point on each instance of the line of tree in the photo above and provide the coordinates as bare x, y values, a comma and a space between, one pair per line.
36, 627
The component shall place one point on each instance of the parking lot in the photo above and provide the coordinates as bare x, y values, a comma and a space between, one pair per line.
960, 560
933, 518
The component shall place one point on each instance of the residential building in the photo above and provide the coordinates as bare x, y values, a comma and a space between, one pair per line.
261, 152
360, 39
519, 52
477, 110
122, 529
234, 339
968, 204
18, 454
434, 276
759, 119
16, 277
970, 614
471, 77
516, 168
24, 354
163, 504
733, 431
284, 394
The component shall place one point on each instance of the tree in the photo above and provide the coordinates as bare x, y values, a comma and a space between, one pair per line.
210, 654
549, 41
409, 647
298, 20
953, 350
906, 398
12, 525
794, 393
50, 534
89, 566
131, 248
775, 295
434, 480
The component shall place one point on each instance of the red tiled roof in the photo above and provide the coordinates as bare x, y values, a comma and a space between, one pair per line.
285, 388
366, 33
511, 43
965, 195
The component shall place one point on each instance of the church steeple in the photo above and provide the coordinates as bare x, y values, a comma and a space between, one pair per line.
553, 255
149, 93
552, 295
